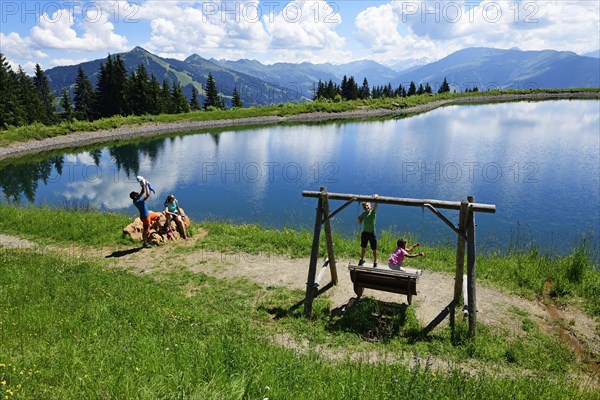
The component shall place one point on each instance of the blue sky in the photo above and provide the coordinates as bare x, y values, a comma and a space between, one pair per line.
55, 33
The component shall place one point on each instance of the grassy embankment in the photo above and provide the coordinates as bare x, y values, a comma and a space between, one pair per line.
72, 328
40, 131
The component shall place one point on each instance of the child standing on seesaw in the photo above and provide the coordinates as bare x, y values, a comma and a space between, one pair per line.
368, 234
397, 257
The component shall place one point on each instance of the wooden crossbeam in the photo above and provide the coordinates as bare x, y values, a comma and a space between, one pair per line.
451, 205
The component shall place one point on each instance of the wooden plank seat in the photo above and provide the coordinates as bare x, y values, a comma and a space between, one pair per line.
385, 279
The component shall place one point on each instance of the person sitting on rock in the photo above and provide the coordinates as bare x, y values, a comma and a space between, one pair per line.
173, 212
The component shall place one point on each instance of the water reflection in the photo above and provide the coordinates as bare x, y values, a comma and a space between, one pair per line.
538, 162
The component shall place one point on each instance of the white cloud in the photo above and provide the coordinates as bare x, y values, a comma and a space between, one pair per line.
67, 61
299, 26
243, 29
13, 46
180, 29
300, 30
56, 32
376, 27
435, 29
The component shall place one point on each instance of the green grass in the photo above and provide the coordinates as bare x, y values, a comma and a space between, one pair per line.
39, 131
74, 329
70, 328
71, 225
521, 272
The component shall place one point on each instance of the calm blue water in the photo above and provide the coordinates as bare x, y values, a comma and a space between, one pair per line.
539, 163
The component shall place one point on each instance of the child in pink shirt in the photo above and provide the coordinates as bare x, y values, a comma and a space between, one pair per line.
397, 257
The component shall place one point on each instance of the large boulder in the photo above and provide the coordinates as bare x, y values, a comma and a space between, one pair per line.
158, 229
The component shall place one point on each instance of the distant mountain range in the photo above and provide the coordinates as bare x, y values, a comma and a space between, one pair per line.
259, 84
489, 68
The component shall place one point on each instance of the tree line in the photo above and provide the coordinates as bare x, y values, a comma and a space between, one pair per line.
27, 100
349, 90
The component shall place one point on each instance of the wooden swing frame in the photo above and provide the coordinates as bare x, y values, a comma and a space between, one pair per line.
465, 232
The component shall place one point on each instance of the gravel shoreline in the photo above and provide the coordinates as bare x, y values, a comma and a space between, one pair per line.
152, 129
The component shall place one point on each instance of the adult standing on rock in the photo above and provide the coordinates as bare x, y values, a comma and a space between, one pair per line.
146, 216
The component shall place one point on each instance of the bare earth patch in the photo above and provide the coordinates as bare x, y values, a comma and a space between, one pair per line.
435, 289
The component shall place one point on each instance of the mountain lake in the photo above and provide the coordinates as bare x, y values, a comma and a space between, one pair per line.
538, 162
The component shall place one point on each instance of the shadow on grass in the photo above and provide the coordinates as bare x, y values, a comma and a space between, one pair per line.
376, 321
123, 253
370, 319
294, 310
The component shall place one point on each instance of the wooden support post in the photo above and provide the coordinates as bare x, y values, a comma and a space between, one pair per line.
465, 297
460, 254
471, 275
314, 255
328, 237
437, 320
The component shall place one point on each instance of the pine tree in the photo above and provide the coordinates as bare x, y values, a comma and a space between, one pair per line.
428, 88
167, 105
194, 103
11, 109
111, 88
212, 94
118, 87
352, 89
154, 103
412, 89
102, 94
137, 91
40, 81
29, 99
179, 100
320, 91
445, 88
65, 103
236, 99
332, 90
421, 89
365, 91
83, 99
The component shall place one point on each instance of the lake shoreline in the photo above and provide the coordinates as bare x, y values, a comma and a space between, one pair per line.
129, 132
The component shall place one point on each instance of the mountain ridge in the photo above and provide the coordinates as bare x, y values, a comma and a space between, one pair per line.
259, 84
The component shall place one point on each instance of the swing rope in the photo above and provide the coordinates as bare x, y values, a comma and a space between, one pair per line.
357, 215
422, 219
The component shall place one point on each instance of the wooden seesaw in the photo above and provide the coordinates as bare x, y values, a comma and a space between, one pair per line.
384, 279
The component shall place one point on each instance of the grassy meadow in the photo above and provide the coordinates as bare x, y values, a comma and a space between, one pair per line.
71, 327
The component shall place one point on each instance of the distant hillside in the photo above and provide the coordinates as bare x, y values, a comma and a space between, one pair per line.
305, 75
260, 84
595, 54
489, 68
193, 71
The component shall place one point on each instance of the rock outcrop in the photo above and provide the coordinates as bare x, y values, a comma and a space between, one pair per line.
158, 229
